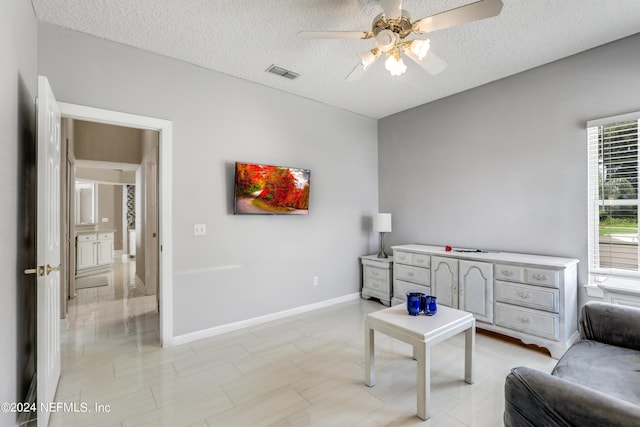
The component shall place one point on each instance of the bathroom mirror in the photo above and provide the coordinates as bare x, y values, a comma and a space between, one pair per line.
85, 202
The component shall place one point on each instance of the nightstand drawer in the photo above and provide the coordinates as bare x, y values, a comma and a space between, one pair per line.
530, 321
412, 274
382, 285
539, 276
509, 272
376, 273
528, 296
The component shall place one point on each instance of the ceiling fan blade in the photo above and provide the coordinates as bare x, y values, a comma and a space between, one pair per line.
356, 73
365, 58
336, 34
432, 62
392, 8
472, 12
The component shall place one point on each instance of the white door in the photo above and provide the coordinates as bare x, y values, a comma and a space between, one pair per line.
444, 280
476, 289
48, 249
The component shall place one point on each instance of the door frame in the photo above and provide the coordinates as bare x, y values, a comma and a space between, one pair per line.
165, 242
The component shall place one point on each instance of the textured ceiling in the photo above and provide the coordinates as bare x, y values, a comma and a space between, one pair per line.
243, 37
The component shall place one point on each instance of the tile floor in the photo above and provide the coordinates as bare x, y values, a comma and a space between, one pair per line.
305, 370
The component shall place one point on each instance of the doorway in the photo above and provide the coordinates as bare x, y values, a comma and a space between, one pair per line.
164, 168
112, 199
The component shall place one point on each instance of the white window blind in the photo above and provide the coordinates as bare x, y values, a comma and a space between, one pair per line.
613, 196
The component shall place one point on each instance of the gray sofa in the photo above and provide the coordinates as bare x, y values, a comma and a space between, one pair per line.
595, 383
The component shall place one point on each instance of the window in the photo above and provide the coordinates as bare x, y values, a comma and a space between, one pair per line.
613, 196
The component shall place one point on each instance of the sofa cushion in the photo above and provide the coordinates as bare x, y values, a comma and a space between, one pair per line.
602, 367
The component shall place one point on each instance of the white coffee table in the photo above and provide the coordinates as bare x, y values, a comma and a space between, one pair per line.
422, 332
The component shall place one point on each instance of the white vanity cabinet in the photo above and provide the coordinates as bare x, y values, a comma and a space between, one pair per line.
105, 249
94, 252
86, 250
529, 297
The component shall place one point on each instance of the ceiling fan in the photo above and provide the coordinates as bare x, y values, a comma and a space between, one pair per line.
391, 28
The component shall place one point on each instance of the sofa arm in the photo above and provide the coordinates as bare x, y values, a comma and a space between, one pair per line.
533, 398
611, 324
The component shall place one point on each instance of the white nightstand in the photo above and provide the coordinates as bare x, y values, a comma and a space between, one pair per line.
377, 277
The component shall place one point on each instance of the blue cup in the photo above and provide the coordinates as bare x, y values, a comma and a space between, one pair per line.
429, 305
414, 303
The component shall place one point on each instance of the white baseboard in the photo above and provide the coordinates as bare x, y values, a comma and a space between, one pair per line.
223, 329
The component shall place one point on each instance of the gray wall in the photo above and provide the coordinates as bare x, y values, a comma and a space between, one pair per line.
18, 87
246, 266
108, 143
504, 166
110, 207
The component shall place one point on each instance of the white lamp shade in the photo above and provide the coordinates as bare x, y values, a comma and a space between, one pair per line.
382, 223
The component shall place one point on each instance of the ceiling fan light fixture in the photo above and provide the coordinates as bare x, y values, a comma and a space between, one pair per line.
420, 48
367, 58
386, 40
395, 66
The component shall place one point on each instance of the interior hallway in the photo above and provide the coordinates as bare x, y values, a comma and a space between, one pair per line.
300, 371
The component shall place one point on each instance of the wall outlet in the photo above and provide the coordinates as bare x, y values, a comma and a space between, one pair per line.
105, 219
315, 280
199, 229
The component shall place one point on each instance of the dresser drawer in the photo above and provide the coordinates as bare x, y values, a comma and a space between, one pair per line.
542, 277
402, 257
509, 272
408, 258
533, 322
400, 288
412, 274
86, 237
105, 236
527, 296
376, 273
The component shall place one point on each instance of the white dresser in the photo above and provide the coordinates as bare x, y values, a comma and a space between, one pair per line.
529, 297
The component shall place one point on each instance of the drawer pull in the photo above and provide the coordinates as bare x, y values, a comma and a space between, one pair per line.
540, 277
410, 273
507, 273
524, 295
524, 320
374, 272
420, 261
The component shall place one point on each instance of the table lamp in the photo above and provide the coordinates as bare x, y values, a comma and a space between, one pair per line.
382, 224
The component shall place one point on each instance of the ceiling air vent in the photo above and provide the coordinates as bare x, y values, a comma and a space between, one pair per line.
282, 72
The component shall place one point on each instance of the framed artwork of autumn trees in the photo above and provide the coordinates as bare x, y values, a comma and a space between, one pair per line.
271, 190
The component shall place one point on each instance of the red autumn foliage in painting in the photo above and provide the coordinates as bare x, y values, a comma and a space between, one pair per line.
275, 186
248, 178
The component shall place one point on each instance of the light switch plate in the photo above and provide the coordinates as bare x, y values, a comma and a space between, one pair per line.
199, 229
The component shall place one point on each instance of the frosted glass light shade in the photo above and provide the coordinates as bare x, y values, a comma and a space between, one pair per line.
382, 223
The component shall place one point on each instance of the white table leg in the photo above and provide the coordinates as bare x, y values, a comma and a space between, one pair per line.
423, 356
369, 356
469, 350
